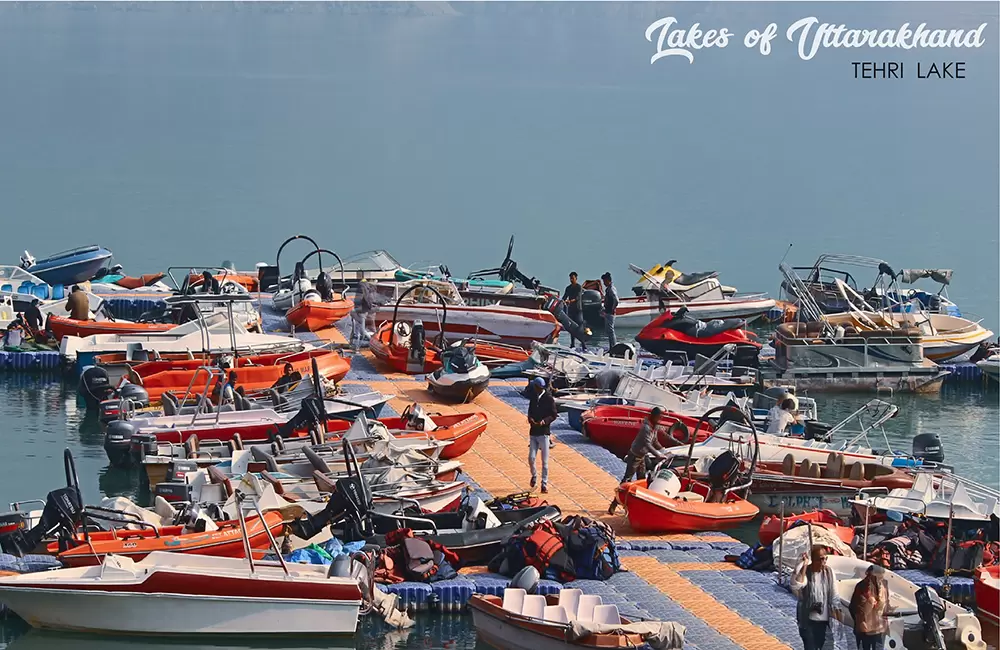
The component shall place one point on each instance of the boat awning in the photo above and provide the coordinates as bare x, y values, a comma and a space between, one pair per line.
909, 276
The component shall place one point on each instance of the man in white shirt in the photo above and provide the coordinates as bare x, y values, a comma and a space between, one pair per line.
781, 418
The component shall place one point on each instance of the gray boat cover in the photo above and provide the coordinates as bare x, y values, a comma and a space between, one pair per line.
909, 276
660, 635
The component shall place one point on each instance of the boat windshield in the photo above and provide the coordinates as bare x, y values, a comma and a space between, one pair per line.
378, 260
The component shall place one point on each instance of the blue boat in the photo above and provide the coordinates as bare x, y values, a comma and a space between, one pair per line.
69, 267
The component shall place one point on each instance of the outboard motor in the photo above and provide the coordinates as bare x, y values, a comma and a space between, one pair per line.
527, 579
722, 469
142, 445
110, 410
931, 610
118, 442
417, 355
927, 447
62, 512
136, 393
622, 351
818, 431
95, 386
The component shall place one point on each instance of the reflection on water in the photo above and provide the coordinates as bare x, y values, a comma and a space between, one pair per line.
444, 632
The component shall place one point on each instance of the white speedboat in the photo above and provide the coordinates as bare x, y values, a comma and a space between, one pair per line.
937, 496
186, 594
420, 300
991, 366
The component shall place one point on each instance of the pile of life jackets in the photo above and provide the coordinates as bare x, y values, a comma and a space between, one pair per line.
575, 547
406, 558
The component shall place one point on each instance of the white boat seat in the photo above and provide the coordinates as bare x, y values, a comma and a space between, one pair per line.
556, 614
585, 610
689, 496
607, 614
513, 600
534, 607
569, 599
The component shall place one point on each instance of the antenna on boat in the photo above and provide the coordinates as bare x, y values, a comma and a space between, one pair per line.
787, 251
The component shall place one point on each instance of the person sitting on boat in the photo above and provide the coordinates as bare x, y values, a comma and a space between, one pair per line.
541, 414
781, 417
34, 320
287, 379
645, 443
609, 307
210, 284
816, 587
571, 296
868, 608
77, 304
228, 394
13, 337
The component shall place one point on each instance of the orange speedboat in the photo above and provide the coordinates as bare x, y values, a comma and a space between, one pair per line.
405, 347
669, 504
312, 310
771, 527
254, 373
227, 541
62, 326
315, 315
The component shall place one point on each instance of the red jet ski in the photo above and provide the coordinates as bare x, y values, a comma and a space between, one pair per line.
672, 333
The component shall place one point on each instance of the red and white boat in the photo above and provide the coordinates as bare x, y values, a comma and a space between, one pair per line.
987, 589
669, 504
615, 427
772, 527
180, 594
422, 300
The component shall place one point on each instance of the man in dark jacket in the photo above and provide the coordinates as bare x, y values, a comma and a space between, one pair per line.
34, 319
541, 414
574, 308
609, 307
645, 443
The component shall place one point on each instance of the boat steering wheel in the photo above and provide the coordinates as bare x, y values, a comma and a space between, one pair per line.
72, 479
744, 473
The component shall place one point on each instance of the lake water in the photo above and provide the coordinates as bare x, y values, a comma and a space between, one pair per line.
189, 133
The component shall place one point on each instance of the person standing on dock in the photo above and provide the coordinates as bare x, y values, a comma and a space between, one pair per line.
571, 296
610, 305
645, 443
868, 608
541, 414
364, 304
814, 584
77, 304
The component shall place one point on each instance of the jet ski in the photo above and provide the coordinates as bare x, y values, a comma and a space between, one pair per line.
461, 377
673, 333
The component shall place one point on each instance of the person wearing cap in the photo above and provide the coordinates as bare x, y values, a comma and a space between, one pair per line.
868, 608
645, 443
609, 307
541, 414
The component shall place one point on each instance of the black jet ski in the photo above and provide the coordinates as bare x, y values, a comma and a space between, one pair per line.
461, 377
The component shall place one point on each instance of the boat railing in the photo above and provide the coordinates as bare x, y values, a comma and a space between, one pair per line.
870, 503
948, 482
878, 411
402, 519
806, 301
241, 498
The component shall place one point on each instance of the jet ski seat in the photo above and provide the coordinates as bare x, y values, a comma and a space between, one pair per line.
690, 326
688, 279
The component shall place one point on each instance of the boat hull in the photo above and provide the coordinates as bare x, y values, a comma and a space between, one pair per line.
637, 312
313, 315
76, 266
89, 610
512, 325
649, 512
62, 326
987, 590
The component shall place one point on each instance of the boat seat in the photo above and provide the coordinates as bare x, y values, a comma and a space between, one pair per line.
871, 471
815, 471
834, 465
805, 467
40, 291
585, 610
569, 599
7, 288
513, 600
687, 279
555, 614
534, 607
856, 472
788, 465
689, 496
607, 614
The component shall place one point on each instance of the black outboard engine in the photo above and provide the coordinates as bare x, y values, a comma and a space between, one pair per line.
818, 431
118, 442
927, 447
142, 445
95, 386
136, 393
417, 355
722, 470
931, 610
62, 512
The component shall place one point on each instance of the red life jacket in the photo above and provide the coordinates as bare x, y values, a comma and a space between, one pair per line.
542, 545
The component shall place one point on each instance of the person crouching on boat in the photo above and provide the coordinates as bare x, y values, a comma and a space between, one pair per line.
541, 414
868, 608
782, 417
815, 585
645, 443
77, 304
